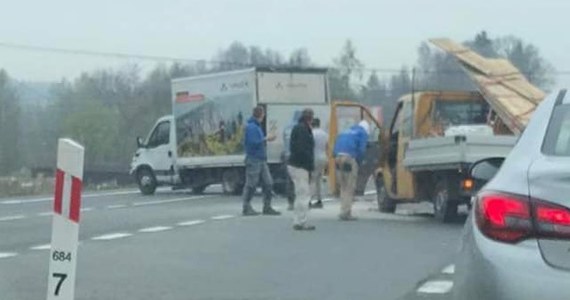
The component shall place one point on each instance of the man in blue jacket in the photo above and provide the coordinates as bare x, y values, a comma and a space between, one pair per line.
256, 167
349, 151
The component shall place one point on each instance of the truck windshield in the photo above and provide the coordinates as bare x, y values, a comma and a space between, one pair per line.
453, 113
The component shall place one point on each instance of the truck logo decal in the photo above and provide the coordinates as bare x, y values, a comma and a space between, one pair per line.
185, 97
291, 85
234, 85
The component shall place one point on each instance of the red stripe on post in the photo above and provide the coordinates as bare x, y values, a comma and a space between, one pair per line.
75, 203
58, 194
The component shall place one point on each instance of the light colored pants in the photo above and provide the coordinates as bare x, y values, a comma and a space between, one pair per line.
347, 181
317, 179
300, 179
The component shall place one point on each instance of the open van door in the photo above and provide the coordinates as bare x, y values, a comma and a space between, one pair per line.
344, 115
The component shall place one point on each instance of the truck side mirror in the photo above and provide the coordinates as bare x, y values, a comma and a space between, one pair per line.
140, 143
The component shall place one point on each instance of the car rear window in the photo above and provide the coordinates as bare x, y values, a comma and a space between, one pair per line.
557, 140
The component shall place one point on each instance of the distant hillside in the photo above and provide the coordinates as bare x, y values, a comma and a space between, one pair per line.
34, 93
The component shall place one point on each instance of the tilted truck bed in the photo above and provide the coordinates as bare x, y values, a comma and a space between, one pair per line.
440, 153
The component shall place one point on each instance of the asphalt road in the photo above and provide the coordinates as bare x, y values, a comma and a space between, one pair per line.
176, 245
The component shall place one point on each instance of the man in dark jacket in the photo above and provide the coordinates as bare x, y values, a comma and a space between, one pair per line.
301, 164
256, 168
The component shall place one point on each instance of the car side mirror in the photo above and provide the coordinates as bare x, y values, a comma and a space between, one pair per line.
485, 169
140, 143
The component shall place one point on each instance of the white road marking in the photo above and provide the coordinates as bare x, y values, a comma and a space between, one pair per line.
45, 214
7, 254
41, 247
84, 209
155, 229
111, 236
116, 206
92, 195
448, 270
190, 223
11, 202
436, 287
328, 199
367, 193
222, 217
12, 218
143, 203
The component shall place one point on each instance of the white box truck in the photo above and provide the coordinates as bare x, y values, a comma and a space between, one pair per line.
202, 144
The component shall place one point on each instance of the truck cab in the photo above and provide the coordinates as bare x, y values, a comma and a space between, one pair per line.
154, 161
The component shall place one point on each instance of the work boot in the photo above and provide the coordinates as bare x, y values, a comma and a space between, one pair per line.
249, 211
347, 217
318, 204
305, 227
268, 210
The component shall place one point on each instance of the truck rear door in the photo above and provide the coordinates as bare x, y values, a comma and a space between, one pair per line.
404, 178
343, 116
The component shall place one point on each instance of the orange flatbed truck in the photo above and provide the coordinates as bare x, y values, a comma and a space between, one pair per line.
425, 152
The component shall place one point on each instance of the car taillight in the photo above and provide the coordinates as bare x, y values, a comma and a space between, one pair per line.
512, 218
552, 220
504, 217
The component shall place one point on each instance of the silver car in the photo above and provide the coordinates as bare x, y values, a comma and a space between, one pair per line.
516, 241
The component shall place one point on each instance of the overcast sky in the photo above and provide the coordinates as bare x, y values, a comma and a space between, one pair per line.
386, 33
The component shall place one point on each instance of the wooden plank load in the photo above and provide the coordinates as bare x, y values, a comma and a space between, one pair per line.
511, 96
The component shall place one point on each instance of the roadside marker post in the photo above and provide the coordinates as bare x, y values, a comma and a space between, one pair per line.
65, 224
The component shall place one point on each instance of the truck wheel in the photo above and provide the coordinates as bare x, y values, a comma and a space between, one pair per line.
146, 181
445, 210
199, 190
231, 182
385, 203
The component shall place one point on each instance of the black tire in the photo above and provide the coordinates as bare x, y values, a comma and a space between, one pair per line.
385, 203
445, 209
199, 190
231, 182
146, 181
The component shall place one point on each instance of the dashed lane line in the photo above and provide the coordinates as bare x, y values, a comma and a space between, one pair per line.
45, 214
448, 270
41, 247
26, 201
222, 217
190, 223
155, 229
7, 254
436, 287
12, 218
144, 203
116, 206
111, 236
84, 209
119, 235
